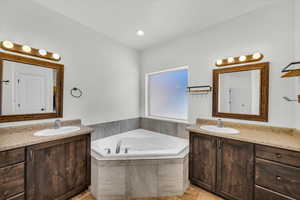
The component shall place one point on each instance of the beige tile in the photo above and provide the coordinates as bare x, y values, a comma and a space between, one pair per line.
111, 182
170, 179
141, 181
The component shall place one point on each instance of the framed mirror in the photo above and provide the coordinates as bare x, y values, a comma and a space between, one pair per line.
241, 92
30, 89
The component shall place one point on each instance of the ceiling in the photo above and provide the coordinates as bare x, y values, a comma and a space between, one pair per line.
161, 20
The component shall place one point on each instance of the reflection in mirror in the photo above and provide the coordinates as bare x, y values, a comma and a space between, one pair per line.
27, 89
239, 92
242, 92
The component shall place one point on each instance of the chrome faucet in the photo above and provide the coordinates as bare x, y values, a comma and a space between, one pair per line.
57, 124
220, 123
118, 147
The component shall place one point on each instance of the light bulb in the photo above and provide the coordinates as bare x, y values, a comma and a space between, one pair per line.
8, 44
230, 60
56, 56
140, 33
219, 62
242, 58
256, 56
42, 52
26, 48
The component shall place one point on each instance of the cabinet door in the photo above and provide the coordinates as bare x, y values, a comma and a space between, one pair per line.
203, 161
58, 169
235, 173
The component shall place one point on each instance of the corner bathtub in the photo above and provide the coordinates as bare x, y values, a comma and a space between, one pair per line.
140, 144
155, 165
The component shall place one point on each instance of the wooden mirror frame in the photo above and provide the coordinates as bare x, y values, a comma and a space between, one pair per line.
264, 92
59, 87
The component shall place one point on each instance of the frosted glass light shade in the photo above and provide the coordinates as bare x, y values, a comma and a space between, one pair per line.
242, 58
230, 60
257, 55
219, 62
8, 44
42, 52
26, 48
56, 56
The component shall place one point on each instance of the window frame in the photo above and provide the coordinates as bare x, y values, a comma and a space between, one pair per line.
147, 95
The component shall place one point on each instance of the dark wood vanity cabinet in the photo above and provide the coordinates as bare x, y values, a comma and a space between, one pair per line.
235, 169
58, 169
277, 174
203, 161
222, 166
55, 170
12, 179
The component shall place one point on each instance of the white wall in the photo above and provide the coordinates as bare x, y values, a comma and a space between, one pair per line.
268, 30
297, 58
106, 71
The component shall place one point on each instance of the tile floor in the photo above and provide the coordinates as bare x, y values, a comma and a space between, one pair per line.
193, 193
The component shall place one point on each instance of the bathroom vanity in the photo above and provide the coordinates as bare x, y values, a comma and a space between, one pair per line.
53, 167
260, 163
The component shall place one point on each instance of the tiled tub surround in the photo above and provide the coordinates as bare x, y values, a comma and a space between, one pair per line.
21, 136
285, 138
156, 165
112, 180
166, 127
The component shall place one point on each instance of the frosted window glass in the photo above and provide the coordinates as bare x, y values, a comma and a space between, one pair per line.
167, 95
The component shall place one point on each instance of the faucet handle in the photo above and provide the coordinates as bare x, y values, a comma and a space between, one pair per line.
108, 151
126, 149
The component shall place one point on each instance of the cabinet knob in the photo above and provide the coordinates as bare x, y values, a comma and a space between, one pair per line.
278, 155
278, 178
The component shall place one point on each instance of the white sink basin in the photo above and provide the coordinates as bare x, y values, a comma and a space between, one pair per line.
59, 131
220, 130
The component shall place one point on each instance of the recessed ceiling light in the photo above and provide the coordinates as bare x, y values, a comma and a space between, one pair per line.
140, 33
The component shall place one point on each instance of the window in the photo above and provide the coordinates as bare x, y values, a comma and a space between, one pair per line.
166, 94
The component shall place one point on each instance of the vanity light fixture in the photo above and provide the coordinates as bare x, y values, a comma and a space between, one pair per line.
240, 59
8, 44
27, 50
42, 52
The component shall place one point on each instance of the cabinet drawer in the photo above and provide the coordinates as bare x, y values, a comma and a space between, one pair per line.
11, 157
17, 197
278, 155
11, 180
265, 194
277, 177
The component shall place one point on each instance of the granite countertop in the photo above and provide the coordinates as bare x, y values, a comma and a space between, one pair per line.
285, 138
21, 136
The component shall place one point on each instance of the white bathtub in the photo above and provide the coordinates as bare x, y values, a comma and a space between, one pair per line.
141, 144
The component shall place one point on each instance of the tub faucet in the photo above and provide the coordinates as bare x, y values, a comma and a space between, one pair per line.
220, 124
118, 148
57, 124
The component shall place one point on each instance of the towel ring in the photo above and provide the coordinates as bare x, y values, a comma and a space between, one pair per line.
74, 90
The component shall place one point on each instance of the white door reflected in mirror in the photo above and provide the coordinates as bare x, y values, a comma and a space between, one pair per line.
239, 92
28, 89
